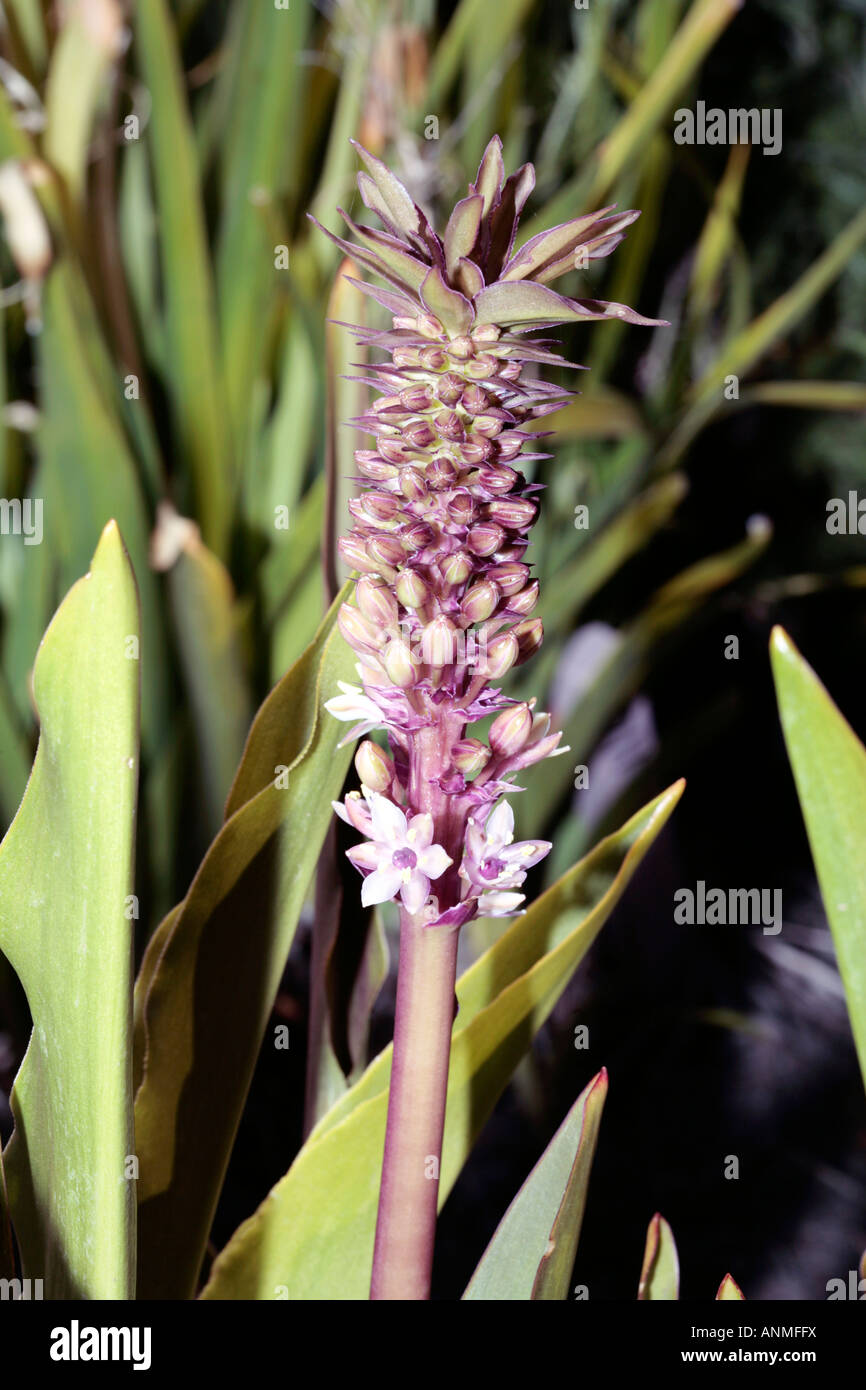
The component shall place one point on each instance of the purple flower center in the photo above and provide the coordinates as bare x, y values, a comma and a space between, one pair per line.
404, 859
492, 868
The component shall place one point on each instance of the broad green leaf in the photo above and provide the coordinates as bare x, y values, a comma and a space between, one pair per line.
808, 395
66, 869
522, 303
258, 171
211, 971
730, 1291
660, 1275
89, 473
532, 1252
194, 378
298, 1245
829, 765
85, 47
207, 621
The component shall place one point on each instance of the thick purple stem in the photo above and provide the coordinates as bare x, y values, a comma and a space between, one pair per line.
406, 1226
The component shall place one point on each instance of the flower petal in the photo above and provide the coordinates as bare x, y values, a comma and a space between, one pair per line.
498, 904
380, 886
414, 890
434, 861
499, 830
420, 832
389, 822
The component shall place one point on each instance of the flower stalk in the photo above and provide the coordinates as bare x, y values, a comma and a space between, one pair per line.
443, 610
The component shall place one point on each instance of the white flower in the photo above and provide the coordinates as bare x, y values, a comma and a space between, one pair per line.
493, 866
400, 857
353, 705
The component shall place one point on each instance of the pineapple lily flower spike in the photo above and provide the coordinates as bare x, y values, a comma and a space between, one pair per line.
442, 612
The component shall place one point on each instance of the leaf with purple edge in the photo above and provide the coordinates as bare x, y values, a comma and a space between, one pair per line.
531, 1254
468, 278
524, 303
453, 310
368, 259
396, 199
553, 253
660, 1274
491, 175
462, 231
729, 1290
406, 267
505, 217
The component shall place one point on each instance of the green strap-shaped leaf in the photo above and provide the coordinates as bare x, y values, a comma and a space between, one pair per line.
829, 765
211, 971
194, 380
660, 1275
301, 1246
532, 1251
66, 869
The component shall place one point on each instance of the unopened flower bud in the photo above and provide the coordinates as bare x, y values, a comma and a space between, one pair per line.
406, 357
461, 348
433, 359
417, 536
374, 767
413, 484
449, 425
476, 451
438, 643
488, 425
474, 400
485, 539
480, 601
450, 388
470, 756
501, 654
416, 398
393, 450
461, 508
524, 601
358, 631
371, 466
379, 508
514, 512
509, 444
400, 664
498, 479
441, 472
419, 435
412, 591
510, 731
376, 602
386, 552
510, 577
530, 635
354, 552
457, 568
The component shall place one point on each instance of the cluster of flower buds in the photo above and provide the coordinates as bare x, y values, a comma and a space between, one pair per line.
444, 602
